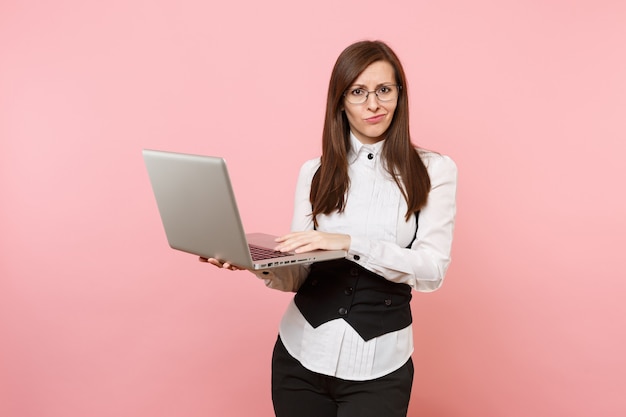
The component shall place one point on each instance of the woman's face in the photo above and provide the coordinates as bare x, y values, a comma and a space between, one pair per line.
370, 120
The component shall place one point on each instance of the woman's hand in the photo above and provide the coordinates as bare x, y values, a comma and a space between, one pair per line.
309, 240
223, 265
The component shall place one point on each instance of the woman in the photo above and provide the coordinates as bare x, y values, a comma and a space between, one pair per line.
345, 341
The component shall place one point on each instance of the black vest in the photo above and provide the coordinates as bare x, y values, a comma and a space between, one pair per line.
372, 305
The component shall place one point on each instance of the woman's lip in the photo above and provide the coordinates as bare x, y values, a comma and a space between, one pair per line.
375, 119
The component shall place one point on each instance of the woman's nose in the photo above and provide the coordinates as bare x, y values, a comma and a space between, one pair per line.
372, 101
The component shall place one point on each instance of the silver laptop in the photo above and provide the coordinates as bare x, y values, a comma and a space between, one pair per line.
200, 216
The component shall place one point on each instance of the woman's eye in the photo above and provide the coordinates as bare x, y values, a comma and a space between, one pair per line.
357, 92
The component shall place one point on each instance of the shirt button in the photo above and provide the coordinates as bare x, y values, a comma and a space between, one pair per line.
370, 156
343, 311
356, 257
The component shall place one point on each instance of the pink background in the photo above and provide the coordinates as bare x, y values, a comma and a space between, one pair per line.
98, 317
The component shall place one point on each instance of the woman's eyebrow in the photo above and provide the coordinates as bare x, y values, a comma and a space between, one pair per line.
377, 86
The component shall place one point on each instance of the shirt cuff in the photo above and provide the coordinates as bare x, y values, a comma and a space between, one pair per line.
359, 250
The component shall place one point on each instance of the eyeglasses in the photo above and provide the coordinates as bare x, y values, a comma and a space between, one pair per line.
387, 92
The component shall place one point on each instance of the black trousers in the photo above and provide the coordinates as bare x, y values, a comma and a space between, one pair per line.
298, 392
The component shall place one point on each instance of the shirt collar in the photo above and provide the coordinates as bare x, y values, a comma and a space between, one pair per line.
356, 147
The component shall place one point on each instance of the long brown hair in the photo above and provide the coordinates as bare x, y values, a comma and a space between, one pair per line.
402, 161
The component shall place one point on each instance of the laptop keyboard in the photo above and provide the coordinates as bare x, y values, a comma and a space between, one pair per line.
259, 253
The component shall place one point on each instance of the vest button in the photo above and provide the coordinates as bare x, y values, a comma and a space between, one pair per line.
348, 291
388, 302
314, 283
354, 272
343, 311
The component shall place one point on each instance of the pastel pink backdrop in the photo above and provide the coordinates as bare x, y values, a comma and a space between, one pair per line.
98, 317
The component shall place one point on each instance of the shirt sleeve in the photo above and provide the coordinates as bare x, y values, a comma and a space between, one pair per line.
290, 278
284, 278
423, 265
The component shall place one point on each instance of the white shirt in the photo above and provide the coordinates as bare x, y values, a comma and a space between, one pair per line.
374, 217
